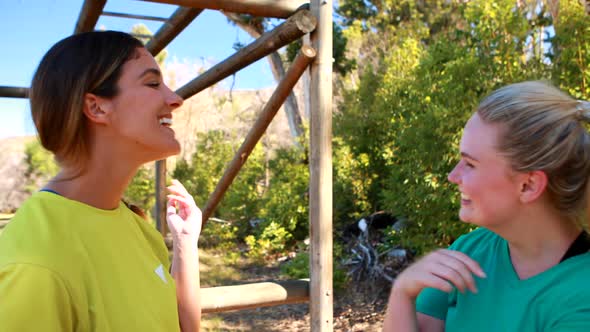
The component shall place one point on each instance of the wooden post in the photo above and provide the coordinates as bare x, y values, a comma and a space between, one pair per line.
179, 20
320, 196
294, 28
91, 10
263, 294
160, 207
271, 108
14, 92
264, 8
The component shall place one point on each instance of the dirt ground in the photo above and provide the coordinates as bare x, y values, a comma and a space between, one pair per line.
354, 309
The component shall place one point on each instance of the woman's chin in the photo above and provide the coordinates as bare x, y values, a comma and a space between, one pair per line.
171, 152
175, 149
464, 216
164, 152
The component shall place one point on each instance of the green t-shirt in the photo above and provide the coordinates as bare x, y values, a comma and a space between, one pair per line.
67, 266
555, 300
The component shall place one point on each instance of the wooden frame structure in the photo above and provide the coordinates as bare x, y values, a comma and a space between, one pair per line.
312, 20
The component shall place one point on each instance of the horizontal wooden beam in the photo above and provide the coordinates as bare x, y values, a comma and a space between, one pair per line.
301, 62
292, 29
179, 20
14, 92
134, 16
91, 10
263, 294
264, 8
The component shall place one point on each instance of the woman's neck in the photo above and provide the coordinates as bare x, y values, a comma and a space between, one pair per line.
538, 241
100, 185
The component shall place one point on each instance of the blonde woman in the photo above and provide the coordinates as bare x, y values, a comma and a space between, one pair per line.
74, 257
523, 178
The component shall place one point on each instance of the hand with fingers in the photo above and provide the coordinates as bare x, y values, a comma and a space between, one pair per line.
183, 216
441, 269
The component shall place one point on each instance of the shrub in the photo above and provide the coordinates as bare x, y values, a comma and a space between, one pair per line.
298, 268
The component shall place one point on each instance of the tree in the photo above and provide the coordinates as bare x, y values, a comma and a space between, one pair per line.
41, 166
571, 49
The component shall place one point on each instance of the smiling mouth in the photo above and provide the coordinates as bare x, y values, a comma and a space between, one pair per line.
166, 122
465, 199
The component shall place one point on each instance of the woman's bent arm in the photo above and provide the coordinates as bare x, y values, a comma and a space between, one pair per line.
185, 220
185, 271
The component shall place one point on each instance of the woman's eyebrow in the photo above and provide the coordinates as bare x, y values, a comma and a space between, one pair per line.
150, 71
467, 155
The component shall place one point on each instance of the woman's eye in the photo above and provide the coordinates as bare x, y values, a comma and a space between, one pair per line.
154, 84
468, 164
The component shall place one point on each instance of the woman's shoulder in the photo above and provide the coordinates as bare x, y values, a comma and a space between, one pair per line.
42, 211
39, 233
480, 243
477, 237
40, 206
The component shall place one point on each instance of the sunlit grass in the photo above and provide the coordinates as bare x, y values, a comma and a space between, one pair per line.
214, 323
217, 269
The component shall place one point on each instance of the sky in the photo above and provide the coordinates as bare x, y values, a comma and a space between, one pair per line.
30, 27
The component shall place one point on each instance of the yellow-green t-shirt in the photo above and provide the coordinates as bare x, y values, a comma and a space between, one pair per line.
67, 266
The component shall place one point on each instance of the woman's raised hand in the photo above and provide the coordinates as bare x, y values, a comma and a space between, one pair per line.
182, 214
441, 269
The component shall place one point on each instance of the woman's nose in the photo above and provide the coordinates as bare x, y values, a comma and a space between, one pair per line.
174, 100
454, 175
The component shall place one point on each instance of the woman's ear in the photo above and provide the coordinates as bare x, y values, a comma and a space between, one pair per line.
532, 186
96, 109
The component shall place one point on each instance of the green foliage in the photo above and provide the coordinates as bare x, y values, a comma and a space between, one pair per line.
286, 202
270, 189
571, 45
271, 241
140, 191
354, 177
298, 268
283, 207
200, 175
221, 236
41, 165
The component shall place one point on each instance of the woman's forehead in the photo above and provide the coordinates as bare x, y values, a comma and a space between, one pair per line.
138, 64
480, 137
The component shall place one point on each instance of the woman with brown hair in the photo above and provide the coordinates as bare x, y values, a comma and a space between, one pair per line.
523, 179
74, 257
